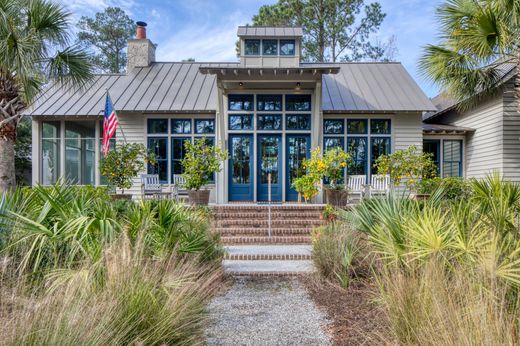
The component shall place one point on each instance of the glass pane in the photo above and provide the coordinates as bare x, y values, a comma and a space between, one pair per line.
79, 160
252, 47
80, 129
159, 146
50, 161
357, 148
296, 154
333, 126
241, 159
269, 102
432, 147
157, 125
241, 122
380, 126
270, 122
240, 102
357, 126
269, 158
181, 126
298, 102
287, 47
332, 143
204, 126
178, 153
270, 47
379, 146
299, 122
51, 129
452, 157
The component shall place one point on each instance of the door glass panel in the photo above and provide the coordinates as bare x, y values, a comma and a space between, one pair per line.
297, 152
269, 154
241, 159
357, 148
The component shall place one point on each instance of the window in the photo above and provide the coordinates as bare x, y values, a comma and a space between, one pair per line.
270, 47
269, 121
159, 146
157, 126
240, 102
181, 126
332, 143
269, 102
80, 151
252, 47
241, 122
358, 149
380, 126
378, 146
298, 122
452, 158
50, 164
203, 126
433, 147
333, 126
298, 103
357, 126
287, 47
178, 154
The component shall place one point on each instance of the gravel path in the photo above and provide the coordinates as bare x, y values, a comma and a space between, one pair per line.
265, 312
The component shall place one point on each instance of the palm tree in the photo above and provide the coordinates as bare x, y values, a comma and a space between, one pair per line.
477, 38
34, 50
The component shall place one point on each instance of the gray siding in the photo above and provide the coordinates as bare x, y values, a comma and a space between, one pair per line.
511, 134
407, 131
483, 150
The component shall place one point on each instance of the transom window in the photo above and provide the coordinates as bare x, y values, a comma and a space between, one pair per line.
297, 103
364, 139
287, 47
298, 122
240, 102
270, 47
269, 102
204, 126
269, 121
181, 126
252, 47
241, 122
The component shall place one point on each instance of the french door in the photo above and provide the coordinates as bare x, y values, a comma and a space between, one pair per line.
298, 148
241, 168
269, 155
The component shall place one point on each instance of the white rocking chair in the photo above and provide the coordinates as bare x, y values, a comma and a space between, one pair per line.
356, 185
379, 185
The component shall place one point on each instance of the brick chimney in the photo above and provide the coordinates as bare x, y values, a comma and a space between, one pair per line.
141, 51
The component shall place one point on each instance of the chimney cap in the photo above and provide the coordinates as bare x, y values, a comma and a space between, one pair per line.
143, 24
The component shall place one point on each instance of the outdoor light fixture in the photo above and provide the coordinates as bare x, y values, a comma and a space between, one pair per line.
298, 85
241, 83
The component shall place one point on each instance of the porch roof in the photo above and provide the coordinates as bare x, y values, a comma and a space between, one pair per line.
445, 129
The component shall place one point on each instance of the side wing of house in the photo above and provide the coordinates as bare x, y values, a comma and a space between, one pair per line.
511, 134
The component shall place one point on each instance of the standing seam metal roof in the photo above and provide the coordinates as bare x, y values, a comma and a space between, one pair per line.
269, 31
181, 87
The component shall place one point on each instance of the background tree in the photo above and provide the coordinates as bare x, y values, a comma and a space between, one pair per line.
334, 30
476, 38
107, 35
34, 49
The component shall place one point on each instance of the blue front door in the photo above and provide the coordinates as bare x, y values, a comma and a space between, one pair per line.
269, 162
298, 148
241, 168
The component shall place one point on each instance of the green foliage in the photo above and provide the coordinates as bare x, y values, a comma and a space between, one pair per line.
476, 38
409, 166
123, 163
308, 183
22, 155
200, 162
336, 161
334, 30
454, 188
107, 35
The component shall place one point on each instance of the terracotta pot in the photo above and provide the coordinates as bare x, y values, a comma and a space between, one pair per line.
120, 197
337, 198
199, 197
421, 196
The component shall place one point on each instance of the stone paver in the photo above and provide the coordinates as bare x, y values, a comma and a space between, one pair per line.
269, 249
259, 266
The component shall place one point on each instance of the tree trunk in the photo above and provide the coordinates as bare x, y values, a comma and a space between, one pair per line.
7, 168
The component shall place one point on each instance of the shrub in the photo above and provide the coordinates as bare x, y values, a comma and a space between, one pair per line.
454, 188
200, 162
336, 161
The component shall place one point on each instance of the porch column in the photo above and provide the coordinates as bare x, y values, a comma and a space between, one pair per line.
220, 187
316, 137
36, 158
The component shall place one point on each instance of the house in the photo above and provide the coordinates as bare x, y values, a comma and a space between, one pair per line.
268, 110
484, 138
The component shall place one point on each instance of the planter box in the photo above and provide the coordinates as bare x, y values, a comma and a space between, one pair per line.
120, 197
421, 196
199, 197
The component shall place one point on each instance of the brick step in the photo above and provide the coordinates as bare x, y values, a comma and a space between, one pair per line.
265, 223
268, 268
268, 252
248, 231
266, 240
264, 215
256, 208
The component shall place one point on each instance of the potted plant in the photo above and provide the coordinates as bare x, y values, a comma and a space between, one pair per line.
336, 160
307, 184
408, 168
200, 162
122, 164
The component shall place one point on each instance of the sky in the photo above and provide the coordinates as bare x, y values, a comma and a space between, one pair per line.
206, 29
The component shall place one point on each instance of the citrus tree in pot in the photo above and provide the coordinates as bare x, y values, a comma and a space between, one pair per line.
336, 161
122, 164
200, 162
308, 182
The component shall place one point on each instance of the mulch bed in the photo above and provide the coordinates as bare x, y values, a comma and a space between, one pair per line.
355, 318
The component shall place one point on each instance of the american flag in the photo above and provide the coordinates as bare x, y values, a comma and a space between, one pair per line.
109, 125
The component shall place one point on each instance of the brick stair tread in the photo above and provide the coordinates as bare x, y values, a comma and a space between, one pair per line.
266, 239
268, 267
268, 249
227, 231
287, 214
251, 226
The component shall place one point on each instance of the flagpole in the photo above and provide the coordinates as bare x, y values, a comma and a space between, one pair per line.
118, 122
